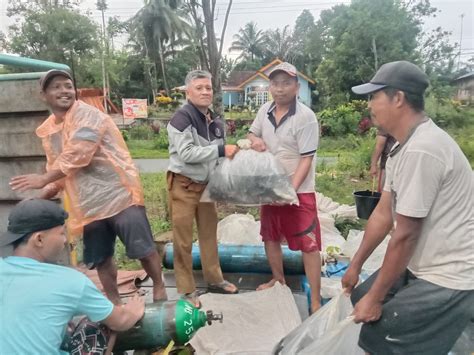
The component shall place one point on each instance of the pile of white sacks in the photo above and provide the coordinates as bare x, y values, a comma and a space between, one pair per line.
242, 229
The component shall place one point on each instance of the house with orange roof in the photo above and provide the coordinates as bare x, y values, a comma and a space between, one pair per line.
245, 87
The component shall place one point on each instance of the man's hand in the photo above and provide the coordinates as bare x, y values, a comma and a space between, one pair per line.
373, 170
125, 316
136, 305
350, 279
368, 309
230, 150
28, 182
258, 144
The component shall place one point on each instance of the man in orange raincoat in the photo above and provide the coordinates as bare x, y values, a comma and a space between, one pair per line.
88, 158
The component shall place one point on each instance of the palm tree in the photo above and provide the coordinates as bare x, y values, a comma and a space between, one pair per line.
250, 41
162, 23
279, 44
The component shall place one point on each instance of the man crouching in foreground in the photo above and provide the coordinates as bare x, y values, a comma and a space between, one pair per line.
39, 298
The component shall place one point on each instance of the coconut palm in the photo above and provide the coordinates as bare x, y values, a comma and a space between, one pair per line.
279, 44
250, 41
162, 24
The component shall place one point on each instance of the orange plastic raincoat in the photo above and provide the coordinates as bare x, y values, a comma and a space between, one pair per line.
101, 178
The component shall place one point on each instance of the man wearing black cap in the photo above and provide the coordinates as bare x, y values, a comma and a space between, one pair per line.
422, 297
38, 298
88, 159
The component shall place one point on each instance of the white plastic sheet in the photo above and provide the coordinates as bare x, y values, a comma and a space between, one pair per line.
239, 229
328, 331
327, 205
253, 322
375, 260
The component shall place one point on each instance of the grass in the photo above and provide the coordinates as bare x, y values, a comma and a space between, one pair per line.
465, 138
145, 149
337, 181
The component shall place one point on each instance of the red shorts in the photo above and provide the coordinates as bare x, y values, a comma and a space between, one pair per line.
299, 225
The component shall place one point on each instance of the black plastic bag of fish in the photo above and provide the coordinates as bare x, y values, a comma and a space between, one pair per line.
251, 178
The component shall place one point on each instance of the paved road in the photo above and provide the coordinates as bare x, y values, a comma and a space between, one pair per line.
160, 165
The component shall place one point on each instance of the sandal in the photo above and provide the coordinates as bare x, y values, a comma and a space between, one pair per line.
193, 298
221, 287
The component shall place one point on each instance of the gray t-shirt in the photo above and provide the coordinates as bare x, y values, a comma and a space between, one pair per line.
430, 178
296, 136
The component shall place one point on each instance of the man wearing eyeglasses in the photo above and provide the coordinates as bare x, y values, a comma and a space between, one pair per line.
422, 297
289, 130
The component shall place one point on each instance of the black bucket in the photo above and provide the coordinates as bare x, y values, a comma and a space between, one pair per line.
365, 202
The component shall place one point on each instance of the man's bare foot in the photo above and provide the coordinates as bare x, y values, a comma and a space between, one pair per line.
270, 284
224, 287
159, 293
193, 298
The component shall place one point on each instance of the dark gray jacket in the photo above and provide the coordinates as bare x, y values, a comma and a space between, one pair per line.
194, 144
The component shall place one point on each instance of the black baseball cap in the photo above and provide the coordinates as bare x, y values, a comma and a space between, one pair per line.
49, 75
31, 216
401, 75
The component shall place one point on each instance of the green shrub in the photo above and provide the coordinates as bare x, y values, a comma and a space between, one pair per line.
357, 161
344, 225
142, 131
125, 135
161, 140
342, 120
448, 113
176, 95
465, 138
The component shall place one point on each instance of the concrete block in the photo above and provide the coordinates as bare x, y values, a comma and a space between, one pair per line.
17, 134
21, 96
19, 166
5, 207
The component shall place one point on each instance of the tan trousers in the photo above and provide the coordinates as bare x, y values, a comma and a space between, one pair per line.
184, 196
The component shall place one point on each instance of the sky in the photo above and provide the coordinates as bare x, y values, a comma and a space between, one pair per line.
271, 14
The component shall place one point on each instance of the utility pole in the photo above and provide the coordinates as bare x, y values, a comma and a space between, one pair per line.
102, 6
460, 43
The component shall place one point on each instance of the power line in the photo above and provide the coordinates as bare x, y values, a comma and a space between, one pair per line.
283, 7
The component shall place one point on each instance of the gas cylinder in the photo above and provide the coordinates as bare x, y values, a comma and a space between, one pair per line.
162, 322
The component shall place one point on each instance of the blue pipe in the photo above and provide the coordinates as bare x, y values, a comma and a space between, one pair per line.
16, 61
243, 259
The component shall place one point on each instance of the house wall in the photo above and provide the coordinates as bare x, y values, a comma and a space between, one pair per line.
262, 85
234, 97
242, 98
305, 91
465, 90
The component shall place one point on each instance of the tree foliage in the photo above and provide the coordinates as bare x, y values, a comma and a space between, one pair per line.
250, 41
168, 38
358, 38
50, 30
279, 44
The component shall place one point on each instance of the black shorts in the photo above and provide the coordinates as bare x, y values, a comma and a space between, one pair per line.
418, 317
131, 226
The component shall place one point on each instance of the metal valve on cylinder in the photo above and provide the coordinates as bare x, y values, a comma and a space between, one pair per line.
163, 322
214, 317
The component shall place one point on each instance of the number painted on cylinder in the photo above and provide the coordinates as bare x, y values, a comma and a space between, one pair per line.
189, 330
188, 309
186, 322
